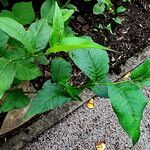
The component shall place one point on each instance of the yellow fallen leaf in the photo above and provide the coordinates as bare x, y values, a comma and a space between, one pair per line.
90, 103
100, 146
127, 76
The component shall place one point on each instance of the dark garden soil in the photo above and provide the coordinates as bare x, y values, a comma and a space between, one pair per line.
127, 39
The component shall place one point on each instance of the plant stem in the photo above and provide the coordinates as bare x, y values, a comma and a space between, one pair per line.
124, 81
104, 83
66, 3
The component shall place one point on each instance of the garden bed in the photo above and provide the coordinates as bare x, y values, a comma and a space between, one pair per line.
128, 39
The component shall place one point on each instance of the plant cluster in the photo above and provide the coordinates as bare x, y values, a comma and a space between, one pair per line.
26, 41
107, 8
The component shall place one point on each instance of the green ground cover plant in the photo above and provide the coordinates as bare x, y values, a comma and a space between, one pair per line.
26, 41
105, 7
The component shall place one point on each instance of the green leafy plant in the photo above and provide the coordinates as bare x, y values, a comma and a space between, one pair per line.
22, 12
24, 48
103, 6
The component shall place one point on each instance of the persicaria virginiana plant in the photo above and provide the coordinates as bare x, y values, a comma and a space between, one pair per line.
27, 42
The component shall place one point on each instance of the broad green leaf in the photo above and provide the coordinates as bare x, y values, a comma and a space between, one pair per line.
60, 70
13, 43
26, 70
17, 31
41, 59
7, 73
121, 9
6, 13
3, 39
14, 53
69, 32
66, 13
23, 12
58, 26
118, 20
41, 32
2, 50
31, 41
95, 66
72, 43
141, 75
107, 2
98, 9
92, 62
47, 10
128, 103
51, 96
17, 82
14, 100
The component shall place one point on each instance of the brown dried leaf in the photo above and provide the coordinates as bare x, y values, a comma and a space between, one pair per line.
13, 120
